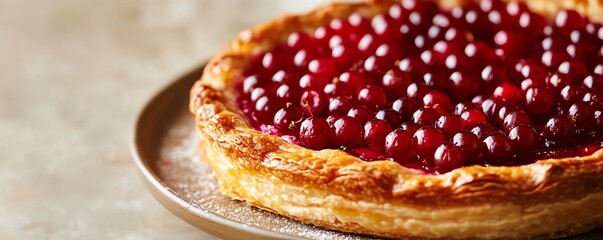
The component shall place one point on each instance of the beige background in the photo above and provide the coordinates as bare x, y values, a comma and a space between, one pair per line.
73, 74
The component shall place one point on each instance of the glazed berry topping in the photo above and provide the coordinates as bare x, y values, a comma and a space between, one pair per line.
448, 157
434, 89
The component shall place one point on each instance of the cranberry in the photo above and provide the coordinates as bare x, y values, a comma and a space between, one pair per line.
323, 34
410, 127
511, 43
508, 93
426, 140
387, 51
415, 67
353, 80
435, 80
416, 91
504, 111
471, 145
376, 64
558, 130
425, 116
492, 76
583, 116
325, 67
571, 94
288, 118
249, 83
575, 69
481, 52
332, 118
398, 144
257, 93
302, 58
459, 108
361, 113
287, 94
568, 20
529, 83
558, 81
337, 89
472, 118
390, 116
483, 130
448, 157
340, 104
347, 132
515, 118
265, 109
367, 44
525, 137
490, 108
534, 71
499, 148
552, 58
375, 131
312, 102
313, 82
437, 100
395, 83
463, 84
342, 54
314, 133
299, 40
538, 100
449, 124
594, 82
372, 97
406, 107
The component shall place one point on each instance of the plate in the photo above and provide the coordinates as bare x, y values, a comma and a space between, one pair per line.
164, 147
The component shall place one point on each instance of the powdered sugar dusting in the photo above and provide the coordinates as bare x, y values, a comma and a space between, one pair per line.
179, 166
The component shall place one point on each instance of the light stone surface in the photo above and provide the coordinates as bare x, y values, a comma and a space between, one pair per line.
73, 75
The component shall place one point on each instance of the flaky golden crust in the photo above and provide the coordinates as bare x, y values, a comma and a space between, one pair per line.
333, 189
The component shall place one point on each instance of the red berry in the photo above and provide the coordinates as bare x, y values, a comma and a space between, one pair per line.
398, 144
372, 97
426, 140
525, 137
375, 131
471, 145
425, 116
348, 132
448, 157
361, 113
437, 100
314, 133
449, 124
499, 148
472, 118
538, 100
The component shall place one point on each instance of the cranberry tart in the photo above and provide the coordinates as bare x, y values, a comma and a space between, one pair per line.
420, 119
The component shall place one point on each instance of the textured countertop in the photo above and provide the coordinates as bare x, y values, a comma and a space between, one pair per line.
73, 75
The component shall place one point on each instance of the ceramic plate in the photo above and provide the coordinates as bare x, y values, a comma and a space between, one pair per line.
164, 147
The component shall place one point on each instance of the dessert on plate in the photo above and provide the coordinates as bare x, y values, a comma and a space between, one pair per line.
414, 119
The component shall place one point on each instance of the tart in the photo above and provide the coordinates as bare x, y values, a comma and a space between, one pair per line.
414, 119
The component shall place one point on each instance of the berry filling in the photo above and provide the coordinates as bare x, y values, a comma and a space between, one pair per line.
488, 83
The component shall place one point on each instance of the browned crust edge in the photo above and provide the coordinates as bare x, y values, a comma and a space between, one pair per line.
218, 119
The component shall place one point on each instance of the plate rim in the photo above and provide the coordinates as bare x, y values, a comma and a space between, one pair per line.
163, 193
